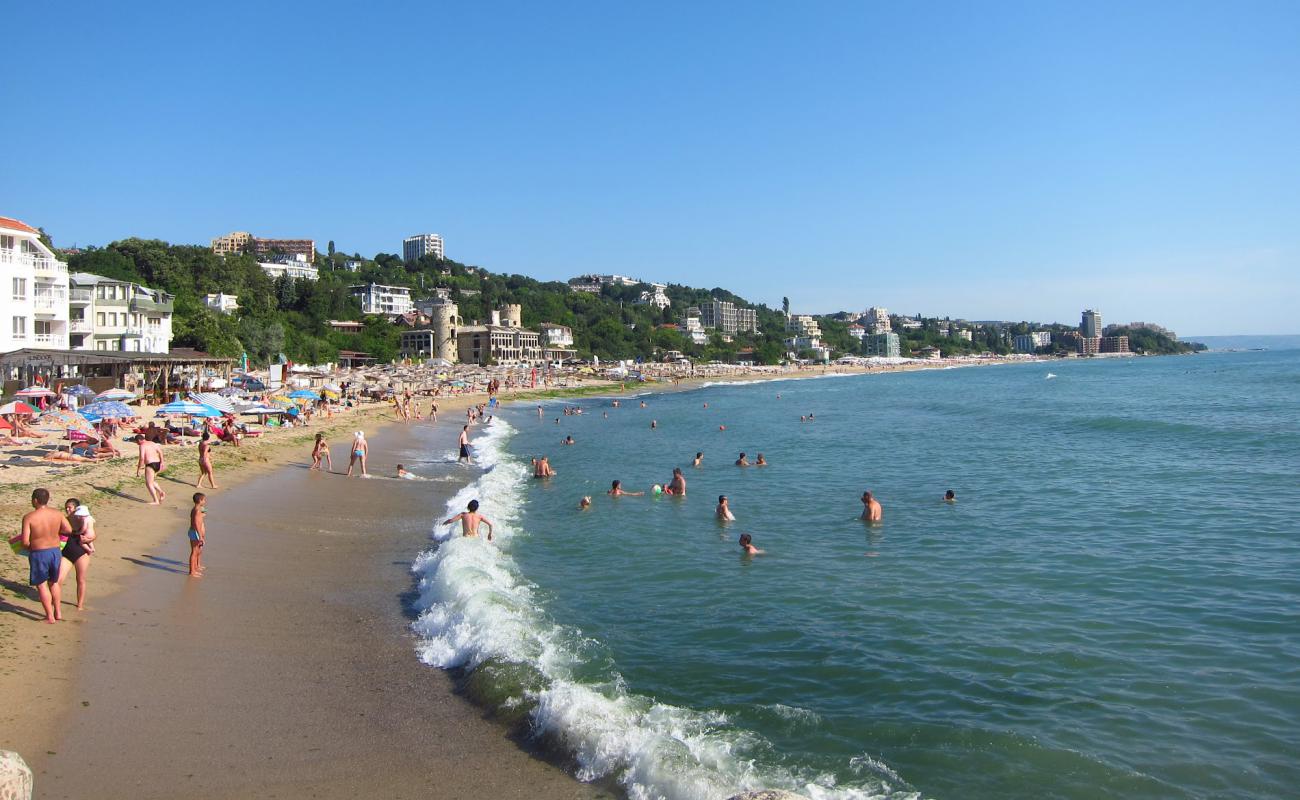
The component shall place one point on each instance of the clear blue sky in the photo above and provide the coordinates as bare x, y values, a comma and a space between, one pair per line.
1012, 160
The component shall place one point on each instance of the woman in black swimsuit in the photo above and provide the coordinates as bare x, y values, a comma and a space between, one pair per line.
76, 553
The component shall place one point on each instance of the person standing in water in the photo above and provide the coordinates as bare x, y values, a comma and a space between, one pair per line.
360, 449
742, 461
464, 446
699, 457
871, 510
724, 511
747, 545
470, 520
616, 490
677, 486
321, 450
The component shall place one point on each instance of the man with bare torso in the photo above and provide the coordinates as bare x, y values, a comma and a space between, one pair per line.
470, 521
151, 461
871, 511
41, 529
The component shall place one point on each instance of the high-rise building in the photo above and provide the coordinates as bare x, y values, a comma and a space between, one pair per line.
1030, 342
876, 320
232, 243
726, 317
1090, 326
264, 249
422, 244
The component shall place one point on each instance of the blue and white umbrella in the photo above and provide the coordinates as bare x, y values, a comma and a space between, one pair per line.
79, 390
305, 394
107, 409
261, 410
232, 391
187, 408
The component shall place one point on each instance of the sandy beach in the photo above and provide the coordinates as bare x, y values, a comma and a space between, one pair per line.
287, 671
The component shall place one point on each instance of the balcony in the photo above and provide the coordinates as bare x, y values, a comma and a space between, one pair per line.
80, 326
44, 264
81, 297
50, 301
133, 331
50, 340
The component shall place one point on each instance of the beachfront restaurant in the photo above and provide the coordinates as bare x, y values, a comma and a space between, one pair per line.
154, 375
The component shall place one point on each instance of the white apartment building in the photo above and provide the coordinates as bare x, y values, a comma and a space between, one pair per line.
803, 325
33, 290
222, 303
727, 317
1090, 324
377, 298
295, 266
876, 319
594, 283
422, 244
114, 315
557, 335
1030, 342
857, 331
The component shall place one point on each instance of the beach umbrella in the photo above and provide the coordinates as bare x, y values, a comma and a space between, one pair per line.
332, 387
187, 408
261, 410
115, 394
65, 421
232, 391
107, 409
79, 390
305, 394
5, 426
34, 391
16, 407
218, 402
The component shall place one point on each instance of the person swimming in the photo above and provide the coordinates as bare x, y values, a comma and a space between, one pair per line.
584, 503
403, 473
698, 458
616, 490
950, 496
542, 468
760, 462
747, 544
568, 440
742, 461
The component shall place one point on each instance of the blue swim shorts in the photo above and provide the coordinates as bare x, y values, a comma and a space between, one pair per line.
194, 535
44, 565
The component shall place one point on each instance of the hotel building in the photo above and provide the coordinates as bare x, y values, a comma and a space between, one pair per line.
33, 290
107, 314
422, 244
377, 298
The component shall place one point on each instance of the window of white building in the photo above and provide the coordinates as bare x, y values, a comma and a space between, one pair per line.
20, 288
20, 327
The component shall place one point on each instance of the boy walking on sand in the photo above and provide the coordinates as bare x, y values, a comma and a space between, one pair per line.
198, 533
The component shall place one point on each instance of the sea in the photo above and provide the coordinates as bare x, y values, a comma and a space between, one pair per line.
1110, 609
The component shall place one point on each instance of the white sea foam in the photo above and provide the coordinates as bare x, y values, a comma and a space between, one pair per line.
476, 606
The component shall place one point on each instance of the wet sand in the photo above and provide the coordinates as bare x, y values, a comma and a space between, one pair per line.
289, 670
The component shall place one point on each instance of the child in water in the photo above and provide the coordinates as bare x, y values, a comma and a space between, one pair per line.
747, 544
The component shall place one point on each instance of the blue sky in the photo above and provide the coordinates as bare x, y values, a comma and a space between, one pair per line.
1011, 160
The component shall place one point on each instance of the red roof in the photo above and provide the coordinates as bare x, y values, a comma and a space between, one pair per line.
10, 222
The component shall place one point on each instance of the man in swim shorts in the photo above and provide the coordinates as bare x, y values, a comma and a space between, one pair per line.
42, 527
871, 510
464, 446
198, 534
724, 511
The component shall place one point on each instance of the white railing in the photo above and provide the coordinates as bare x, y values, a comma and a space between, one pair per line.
80, 296
80, 326
51, 339
44, 264
51, 300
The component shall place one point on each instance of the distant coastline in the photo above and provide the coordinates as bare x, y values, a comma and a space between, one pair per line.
1250, 341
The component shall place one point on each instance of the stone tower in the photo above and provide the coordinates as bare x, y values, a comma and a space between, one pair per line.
446, 318
512, 315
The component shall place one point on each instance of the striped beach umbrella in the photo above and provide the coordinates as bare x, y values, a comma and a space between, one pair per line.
215, 400
115, 394
34, 391
187, 408
17, 407
65, 421
232, 391
107, 409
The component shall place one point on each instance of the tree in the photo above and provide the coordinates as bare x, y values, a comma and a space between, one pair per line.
331, 248
785, 306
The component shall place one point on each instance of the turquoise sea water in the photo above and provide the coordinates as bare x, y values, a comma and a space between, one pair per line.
1109, 610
